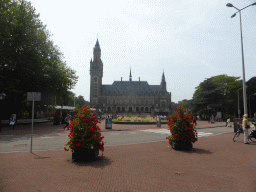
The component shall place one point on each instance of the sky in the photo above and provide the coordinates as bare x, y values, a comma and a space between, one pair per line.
189, 40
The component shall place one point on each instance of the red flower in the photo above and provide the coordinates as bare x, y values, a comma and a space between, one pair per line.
77, 140
94, 136
191, 135
78, 144
178, 139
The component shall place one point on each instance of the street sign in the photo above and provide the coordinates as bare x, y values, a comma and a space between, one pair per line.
37, 96
108, 124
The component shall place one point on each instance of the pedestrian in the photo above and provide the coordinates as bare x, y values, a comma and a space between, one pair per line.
228, 124
246, 127
254, 120
227, 121
67, 119
194, 120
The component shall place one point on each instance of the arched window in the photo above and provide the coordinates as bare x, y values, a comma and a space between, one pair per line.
118, 108
142, 108
137, 109
123, 109
109, 108
146, 109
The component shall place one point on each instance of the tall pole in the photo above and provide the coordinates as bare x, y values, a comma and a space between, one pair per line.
244, 88
32, 122
238, 103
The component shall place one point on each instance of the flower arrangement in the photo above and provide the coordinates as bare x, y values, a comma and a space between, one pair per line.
181, 127
84, 131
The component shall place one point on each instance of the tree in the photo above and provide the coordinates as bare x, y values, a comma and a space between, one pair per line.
29, 61
219, 93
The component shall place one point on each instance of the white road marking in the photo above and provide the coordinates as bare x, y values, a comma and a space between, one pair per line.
166, 131
47, 137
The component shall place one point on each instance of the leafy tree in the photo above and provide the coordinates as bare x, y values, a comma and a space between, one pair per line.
29, 61
219, 93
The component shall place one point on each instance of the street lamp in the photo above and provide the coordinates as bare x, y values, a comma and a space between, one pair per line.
244, 88
238, 103
2, 96
250, 103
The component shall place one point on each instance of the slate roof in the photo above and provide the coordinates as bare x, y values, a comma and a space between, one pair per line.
136, 87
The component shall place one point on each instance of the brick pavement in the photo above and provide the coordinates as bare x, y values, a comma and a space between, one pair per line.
215, 164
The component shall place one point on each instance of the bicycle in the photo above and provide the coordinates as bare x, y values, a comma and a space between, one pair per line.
251, 136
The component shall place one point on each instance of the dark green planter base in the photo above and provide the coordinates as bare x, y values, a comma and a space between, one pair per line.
85, 155
182, 145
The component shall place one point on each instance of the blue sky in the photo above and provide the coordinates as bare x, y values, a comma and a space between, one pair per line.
190, 40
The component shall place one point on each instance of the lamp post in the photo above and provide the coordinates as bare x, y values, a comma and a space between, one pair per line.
250, 103
238, 103
244, 88
2, 96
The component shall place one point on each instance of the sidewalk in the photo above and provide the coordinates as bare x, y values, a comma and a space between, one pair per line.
215, 164
25, 121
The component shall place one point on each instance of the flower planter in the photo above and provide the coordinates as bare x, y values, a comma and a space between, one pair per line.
82, 154
182, 145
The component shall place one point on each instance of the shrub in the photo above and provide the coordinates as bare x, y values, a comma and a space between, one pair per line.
84, 131
181, 127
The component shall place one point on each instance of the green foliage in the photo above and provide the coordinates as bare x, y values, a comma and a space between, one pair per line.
29, 60
181, 127
219, 93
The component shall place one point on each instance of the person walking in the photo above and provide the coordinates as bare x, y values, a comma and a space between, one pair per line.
67, 119
228, 122
246, 127
194, 120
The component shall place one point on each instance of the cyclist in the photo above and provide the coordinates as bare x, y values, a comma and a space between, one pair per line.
246, 127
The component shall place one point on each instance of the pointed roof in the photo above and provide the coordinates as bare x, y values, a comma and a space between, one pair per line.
130, 77
97, 45
163, 77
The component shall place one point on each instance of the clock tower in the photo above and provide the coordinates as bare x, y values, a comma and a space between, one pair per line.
96, 73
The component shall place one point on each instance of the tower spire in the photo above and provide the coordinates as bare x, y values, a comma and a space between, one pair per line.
130, 77
163, 82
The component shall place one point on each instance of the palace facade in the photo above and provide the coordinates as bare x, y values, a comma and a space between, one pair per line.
125, 96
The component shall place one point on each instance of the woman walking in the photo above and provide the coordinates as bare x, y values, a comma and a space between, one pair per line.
246, 127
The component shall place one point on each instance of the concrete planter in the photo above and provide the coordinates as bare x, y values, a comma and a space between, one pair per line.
82, 154
182, 145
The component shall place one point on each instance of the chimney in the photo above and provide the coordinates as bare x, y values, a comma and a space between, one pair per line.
139, 79
121, 79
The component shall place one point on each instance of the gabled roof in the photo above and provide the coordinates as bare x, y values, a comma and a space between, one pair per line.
134, 87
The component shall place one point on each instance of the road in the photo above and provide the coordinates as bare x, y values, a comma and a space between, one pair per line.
57, 141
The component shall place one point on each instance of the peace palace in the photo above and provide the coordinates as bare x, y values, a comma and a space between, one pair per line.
126, 96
